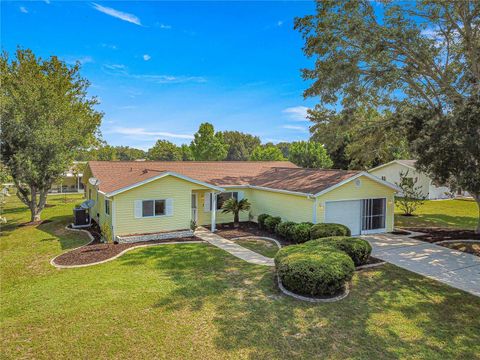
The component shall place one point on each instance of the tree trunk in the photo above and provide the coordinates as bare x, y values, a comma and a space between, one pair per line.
236, 220
477, 199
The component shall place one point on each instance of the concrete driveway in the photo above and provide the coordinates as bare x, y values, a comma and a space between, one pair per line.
451, 267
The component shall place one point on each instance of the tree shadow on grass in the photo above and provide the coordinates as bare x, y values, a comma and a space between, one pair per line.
389, 314
56, 229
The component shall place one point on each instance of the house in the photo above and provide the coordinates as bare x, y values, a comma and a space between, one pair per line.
391, 172
154, 199
71, 181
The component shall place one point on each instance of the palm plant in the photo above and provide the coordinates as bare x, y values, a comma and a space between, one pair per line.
234, 206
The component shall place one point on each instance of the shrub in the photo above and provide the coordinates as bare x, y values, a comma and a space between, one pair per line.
106, 232
271, 223
301, 233
326, 230
359, 250
319, 273
284, 229
261, 220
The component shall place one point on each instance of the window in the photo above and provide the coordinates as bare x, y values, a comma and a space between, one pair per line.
107, 207
153, 208
384, 178
374, 211
222, 197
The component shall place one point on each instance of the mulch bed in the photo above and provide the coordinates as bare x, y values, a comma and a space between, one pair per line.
95, 252
246, 229
433, 235
471, 248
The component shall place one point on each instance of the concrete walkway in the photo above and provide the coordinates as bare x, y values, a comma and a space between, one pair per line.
233, 248
452, 267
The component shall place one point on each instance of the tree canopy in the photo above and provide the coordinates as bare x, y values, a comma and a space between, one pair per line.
208, 145
165, 151
309, 154
46, 118
240, 145
267, 153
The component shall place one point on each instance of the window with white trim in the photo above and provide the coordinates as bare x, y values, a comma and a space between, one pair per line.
107, 207
222, 197
153, 208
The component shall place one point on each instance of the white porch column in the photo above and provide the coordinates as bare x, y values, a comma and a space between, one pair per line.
214, 211
315, 206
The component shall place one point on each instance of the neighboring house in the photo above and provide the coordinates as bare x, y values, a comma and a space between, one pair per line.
391, 172
71, 181
153, 197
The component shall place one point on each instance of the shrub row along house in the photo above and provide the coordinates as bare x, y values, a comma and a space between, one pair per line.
149, 200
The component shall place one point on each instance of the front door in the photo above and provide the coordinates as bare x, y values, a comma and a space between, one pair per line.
194, 208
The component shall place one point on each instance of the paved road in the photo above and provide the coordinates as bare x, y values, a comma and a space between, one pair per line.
233, 248
452, 267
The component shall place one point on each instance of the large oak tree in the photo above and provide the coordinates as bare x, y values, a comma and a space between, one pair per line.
422, 55
46, 118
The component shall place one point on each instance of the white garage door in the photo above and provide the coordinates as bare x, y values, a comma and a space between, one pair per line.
347, 213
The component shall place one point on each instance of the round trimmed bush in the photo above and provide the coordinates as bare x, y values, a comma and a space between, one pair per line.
271, 222
284, 229
326, 230
359, 250
301, 233
319, 273
261, 220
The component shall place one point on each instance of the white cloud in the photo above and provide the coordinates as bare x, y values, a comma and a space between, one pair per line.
279, 23
121, 70
109, 46
296, 128
117, 14
297, 113
146, 57
164, 26
71, 60
23, 9
141, 132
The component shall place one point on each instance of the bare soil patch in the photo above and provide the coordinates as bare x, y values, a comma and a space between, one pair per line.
468, 247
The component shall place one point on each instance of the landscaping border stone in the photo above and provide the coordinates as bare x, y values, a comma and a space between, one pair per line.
253, 237
156, 236
313, 299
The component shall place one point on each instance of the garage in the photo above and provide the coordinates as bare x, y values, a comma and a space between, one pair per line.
366, 216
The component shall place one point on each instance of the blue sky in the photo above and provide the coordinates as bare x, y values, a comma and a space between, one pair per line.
162, 68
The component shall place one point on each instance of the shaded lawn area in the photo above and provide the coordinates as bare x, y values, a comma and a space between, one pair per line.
461, 214
265, 247
196, 301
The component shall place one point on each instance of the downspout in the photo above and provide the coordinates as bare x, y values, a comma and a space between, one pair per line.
214, 211
314, 209
112, 210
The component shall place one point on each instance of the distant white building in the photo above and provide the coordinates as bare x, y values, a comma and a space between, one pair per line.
391, 172
71, 180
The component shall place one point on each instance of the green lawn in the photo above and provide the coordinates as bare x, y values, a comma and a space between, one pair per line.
264, 247
196, 301
462, 214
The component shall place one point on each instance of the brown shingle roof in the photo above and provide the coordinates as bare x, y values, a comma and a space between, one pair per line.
280, 175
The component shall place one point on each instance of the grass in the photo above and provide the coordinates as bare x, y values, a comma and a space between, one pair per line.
261, 246
460, 214
196, 301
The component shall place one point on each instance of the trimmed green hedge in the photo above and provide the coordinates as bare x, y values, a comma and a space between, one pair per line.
284, 229
359, 250
261, 220
271, 222
301, 232
322, 272
327, 230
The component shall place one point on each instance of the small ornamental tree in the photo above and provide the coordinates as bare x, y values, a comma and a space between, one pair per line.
46, 119
412, 195
235, 207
